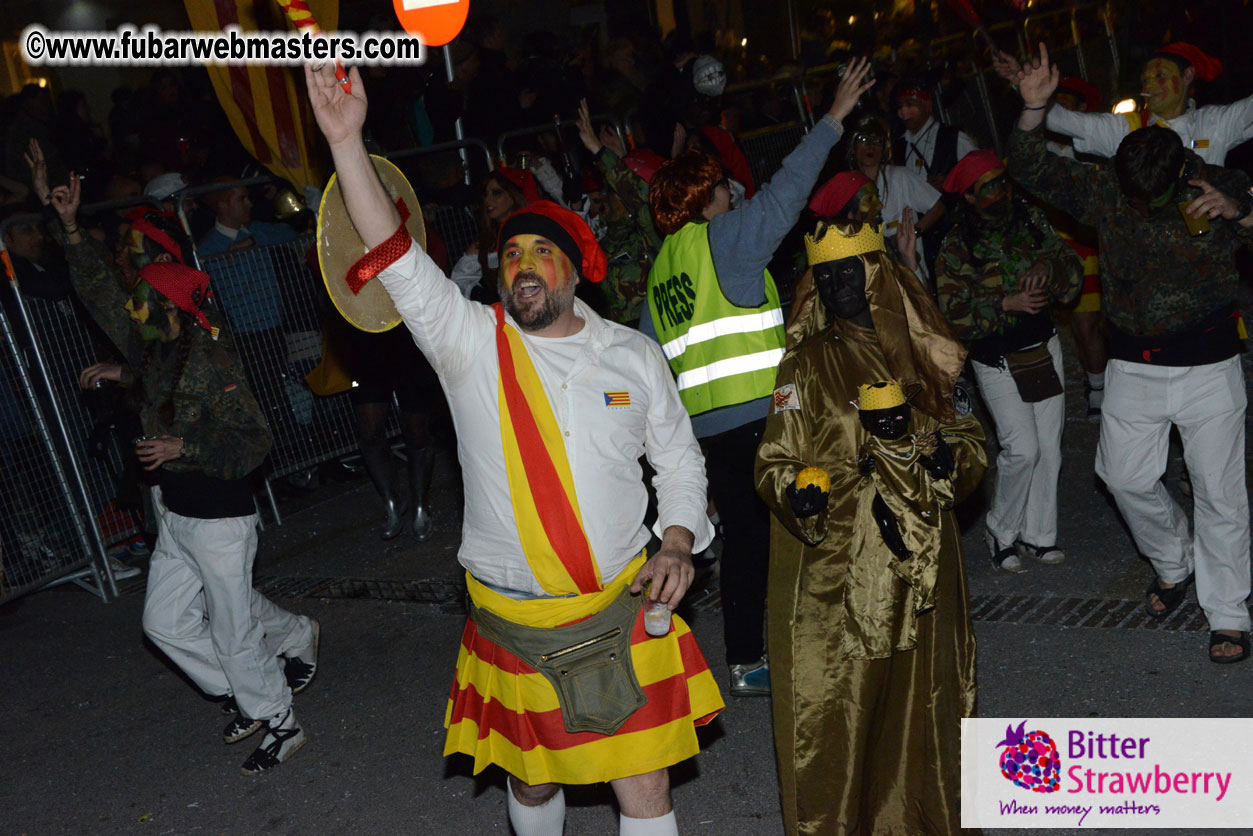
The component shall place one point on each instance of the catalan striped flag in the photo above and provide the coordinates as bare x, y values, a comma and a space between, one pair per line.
502, 711
617, 399
267, 105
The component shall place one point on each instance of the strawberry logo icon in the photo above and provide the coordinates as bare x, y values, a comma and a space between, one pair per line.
1030, 759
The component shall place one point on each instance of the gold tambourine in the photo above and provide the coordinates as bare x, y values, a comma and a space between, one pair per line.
340, 247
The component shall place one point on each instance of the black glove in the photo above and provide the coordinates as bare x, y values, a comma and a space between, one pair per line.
808, 501
888, 528
940, 463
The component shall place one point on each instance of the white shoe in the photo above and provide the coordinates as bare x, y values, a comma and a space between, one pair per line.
120, 570
1051, 555
283, 736
1004, 558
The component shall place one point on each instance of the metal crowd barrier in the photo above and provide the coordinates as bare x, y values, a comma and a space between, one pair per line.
45, 538
566, 134
457, 226
766, 148
274, 304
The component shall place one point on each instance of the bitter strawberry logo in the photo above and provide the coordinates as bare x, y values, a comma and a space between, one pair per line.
1030, 759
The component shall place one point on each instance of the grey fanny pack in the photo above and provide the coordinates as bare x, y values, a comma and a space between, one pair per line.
588, 662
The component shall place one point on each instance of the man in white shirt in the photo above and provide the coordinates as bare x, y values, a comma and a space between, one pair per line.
1167, 83
925, 146
553, 407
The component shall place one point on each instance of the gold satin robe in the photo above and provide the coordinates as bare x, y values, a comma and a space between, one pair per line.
872, 660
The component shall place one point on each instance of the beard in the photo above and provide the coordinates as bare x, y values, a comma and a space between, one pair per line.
537, 312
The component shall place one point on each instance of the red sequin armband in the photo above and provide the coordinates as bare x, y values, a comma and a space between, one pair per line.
381, 257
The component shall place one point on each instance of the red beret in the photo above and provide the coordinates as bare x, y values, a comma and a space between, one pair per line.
1087, 92
1206, 67
564, 228
185, 286
523, 179
644, 162
837, 192
971, 167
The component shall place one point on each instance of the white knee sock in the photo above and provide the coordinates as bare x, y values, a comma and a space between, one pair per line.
548, 819
666, 825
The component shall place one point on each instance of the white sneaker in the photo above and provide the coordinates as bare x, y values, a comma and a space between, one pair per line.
120, 570
282, 738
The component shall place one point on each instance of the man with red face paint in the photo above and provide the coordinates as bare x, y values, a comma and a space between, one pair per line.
1170, 301
553, 407
1166, 85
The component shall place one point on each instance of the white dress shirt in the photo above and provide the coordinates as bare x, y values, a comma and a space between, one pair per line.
1210, 131
603, 443
924, 141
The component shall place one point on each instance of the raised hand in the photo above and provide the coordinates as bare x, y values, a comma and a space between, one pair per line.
586, 133
852, 85
340, 114
38, 171
1038, 79
1006, 66
610, 139
66, 199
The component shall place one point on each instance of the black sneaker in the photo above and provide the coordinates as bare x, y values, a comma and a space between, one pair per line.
302, 663
239, 728
228, 706
282, 738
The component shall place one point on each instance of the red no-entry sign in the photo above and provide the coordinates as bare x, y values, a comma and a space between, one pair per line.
436, 22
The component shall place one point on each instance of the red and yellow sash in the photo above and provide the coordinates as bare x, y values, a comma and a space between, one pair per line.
541, 486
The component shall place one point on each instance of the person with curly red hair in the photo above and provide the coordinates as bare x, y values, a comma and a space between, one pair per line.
715, 310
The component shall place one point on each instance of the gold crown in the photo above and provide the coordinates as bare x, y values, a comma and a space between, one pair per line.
832, 244
884, 394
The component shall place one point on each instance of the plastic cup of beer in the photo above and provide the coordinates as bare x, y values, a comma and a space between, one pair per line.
1196, 226
656, 616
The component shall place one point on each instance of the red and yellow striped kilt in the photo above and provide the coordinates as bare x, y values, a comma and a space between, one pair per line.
502, 711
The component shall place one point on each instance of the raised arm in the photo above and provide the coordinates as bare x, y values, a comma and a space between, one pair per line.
744, 240
448, 328
340, 115
1069, 185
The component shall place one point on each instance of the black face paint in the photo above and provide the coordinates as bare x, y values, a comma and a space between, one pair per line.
842, 287
889, 424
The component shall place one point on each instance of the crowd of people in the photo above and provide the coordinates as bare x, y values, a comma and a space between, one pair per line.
618, 325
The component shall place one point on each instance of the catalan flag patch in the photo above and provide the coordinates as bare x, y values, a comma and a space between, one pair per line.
1200, 143
617, 400
230, 387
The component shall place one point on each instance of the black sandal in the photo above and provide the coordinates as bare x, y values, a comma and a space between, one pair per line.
1217, 639
1171, 598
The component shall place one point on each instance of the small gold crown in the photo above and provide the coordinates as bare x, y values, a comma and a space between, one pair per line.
884, 394
832, 244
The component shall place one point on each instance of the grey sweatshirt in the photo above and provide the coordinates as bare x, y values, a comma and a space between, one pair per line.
744, 240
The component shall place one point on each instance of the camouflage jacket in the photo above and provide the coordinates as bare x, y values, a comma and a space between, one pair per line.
977, 267
630, 240
215, 414
1155, 278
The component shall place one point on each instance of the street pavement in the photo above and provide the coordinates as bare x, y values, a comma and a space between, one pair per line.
105, 737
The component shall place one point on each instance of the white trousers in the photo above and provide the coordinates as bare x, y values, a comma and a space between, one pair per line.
1207, 404
201, 610
1024, 498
